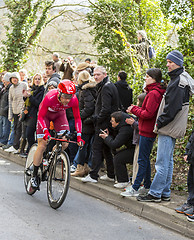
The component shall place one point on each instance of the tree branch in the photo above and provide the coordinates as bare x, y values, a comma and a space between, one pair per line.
67, 53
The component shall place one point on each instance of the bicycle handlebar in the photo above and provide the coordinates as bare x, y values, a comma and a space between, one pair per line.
62, 140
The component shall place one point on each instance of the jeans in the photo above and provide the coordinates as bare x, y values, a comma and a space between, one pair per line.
5, 126
144, 170
84, 154
11, 136
190, 184
164, 167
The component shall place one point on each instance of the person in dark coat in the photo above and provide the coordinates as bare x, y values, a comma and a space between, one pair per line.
121, 144
33, 99
124, 90
5, 124
107, 102
188, 207
87, 98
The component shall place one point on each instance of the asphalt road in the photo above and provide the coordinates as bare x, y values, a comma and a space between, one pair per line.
80, 217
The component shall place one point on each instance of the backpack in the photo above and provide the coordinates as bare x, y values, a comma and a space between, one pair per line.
151, 52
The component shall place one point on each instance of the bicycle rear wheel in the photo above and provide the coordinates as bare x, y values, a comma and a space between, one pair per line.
28, 171
58, 180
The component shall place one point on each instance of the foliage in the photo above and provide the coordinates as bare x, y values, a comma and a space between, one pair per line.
125, 16
27, 18
181, 14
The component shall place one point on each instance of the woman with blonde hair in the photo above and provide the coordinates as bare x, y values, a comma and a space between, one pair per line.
32, 100
87, 99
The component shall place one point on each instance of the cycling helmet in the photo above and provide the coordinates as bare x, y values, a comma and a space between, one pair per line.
67, 87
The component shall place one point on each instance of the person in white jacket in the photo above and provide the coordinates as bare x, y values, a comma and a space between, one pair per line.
16, 104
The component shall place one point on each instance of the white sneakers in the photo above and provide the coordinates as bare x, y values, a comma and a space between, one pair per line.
106, 178
88, 179
121, 185
130, 192
11, 149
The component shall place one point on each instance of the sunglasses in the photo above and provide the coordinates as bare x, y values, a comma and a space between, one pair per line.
66, 96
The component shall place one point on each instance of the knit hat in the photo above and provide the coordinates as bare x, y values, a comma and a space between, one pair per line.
142, 33
52, 83
83, 77
82, 66
176, 57
15, 75
7, 77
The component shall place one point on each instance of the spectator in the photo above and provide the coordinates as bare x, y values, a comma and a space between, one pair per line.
134, 124
88, 60
124, 90
16, 104
52, 85
87, 98
33, 99
147, 117
51, 74
188, 207
29, 81
171, 124
45, 78
107, 102
23, 75
1, 79
68, 66
57, 62
5, 124
121, 144
141, 48
81, 67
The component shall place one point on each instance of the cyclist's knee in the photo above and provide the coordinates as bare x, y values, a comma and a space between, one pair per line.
42, 145
65, 145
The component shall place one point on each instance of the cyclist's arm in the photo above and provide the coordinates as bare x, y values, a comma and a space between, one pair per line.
76, 114
43, 109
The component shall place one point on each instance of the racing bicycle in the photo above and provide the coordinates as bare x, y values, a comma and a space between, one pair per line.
55, 169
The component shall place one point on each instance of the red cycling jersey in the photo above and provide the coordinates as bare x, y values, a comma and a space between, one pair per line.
51, 109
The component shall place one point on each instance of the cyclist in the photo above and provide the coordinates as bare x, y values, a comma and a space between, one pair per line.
53, 108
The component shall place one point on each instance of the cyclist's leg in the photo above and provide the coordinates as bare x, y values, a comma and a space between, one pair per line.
61, 124
37, 159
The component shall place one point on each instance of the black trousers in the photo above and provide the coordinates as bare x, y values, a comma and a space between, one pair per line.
120, 160
101, 151
190, 184
17, 131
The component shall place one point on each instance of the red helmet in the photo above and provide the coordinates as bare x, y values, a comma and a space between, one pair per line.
67, 87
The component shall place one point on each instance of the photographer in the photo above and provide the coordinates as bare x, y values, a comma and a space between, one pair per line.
121, 144
68, 66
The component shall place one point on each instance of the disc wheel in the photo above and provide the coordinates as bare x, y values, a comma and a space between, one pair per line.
58, 180
28, 171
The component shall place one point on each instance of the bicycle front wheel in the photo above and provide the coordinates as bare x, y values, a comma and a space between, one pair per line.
58, 180
28, 171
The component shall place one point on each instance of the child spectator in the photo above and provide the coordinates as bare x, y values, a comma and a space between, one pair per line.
188, 207
134, 123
